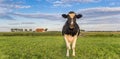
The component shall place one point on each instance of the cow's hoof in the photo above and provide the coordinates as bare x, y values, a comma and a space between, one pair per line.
73, 55
67, 55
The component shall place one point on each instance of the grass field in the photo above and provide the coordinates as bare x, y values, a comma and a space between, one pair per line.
89, 46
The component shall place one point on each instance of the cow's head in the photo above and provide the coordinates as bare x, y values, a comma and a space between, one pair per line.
71, 18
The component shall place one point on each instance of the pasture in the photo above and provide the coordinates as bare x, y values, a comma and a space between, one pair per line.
51, 45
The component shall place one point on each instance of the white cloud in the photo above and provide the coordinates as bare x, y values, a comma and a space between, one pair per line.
102, 15
4, 13
40, 16
69, 3
7, 7
80, 1
99, 12
3, 10
22, 23
60, 3
100, 19
21, 6
102, 9
1, 1
14, 6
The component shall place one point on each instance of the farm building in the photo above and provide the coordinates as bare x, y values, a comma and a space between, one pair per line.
28, 30
41, 30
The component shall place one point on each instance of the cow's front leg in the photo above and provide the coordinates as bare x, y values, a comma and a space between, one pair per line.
73, 45
68, 48
67, 44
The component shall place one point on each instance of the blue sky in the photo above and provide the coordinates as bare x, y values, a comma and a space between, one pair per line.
97, 14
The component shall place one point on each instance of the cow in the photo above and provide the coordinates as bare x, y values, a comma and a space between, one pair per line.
71, 31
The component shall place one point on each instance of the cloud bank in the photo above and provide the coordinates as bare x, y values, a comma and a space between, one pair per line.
51, 17
100, 15
69, 3
7, 7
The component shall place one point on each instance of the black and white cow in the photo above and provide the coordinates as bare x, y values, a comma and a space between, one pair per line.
71, 30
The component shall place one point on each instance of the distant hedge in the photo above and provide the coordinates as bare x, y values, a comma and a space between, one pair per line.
51, 33
101, 34
58, 33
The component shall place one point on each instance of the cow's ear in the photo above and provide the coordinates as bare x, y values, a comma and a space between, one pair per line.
78, 16
64, 16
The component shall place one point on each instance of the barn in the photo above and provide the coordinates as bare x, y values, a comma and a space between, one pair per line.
40, 30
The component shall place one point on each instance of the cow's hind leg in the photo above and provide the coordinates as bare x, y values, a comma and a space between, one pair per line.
67, 44
73, 45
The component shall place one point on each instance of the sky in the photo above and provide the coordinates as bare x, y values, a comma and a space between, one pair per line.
98, 15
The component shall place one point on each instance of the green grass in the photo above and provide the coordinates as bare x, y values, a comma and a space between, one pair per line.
53, 47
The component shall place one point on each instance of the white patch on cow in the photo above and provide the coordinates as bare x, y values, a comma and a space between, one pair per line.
73, 44
67, 44
72, 22
72, 15
70, 40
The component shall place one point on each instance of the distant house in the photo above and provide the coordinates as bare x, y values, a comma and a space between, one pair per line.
20, 30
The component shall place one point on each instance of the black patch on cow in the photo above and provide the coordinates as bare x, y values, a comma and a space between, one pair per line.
78, 16
64, 15
67, 30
